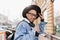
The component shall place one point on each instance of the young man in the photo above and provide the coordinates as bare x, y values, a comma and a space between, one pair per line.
26, 29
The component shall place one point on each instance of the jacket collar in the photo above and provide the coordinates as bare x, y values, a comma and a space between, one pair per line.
31, 24
27, 20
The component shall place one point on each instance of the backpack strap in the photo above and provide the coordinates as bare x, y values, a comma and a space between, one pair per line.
30, 24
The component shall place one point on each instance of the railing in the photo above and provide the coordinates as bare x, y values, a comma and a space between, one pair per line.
52, 37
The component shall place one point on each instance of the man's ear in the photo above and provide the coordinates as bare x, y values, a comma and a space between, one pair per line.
26, 14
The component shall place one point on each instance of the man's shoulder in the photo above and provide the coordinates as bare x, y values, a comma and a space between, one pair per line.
23, 22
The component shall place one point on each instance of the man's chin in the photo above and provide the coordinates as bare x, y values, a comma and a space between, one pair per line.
31, 21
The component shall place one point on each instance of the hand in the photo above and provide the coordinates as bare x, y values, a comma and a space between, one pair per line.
41, 16
37, 29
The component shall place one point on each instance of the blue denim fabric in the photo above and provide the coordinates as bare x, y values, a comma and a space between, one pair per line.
41, 27
24, 32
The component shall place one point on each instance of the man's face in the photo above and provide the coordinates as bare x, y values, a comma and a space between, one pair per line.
31, 15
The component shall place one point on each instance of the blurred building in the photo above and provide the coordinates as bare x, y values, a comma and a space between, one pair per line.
5, 23
3, 19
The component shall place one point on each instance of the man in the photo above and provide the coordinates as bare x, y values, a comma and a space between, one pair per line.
25, 29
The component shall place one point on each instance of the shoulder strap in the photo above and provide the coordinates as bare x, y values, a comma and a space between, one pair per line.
30, 24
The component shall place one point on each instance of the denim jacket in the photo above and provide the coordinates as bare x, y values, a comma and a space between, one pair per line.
24, 32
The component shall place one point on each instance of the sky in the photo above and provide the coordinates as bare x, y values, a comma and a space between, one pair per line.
13, 8
56, 8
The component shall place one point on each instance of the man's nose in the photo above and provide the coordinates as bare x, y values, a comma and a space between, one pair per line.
34, 17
